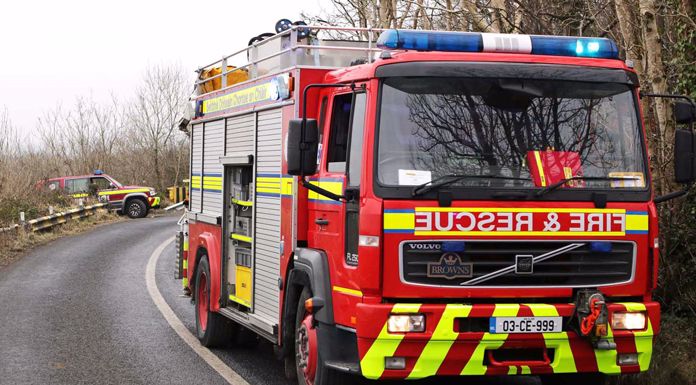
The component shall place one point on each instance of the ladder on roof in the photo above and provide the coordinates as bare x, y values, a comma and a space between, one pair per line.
289, 49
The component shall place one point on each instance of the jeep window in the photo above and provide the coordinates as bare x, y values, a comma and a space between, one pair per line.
101, 183
78, 185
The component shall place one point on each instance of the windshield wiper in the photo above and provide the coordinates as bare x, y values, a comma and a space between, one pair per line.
452, 178
561, 182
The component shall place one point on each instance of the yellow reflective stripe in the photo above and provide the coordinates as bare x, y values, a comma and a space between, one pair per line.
535, 233
564, 362
240, 237
512, 370
644, 338
636, 222
519, 210
184, 282
240, 300
116, 192
440, 342
491, 341
287, 184
332, 186
372, 364
348, 291
525, 370
186, 244
399, 221
185, 264
540, 168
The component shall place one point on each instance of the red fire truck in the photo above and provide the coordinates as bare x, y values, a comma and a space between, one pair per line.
435, 204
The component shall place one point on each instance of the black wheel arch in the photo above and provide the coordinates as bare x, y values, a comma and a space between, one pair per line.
310, 268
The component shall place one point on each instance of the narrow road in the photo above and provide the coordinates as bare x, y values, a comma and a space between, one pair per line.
78, 311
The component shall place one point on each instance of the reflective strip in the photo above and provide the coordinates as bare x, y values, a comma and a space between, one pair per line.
348, 291
333, 186
118, 192
186, 244
240, 237
525, 370
637, 222
185, 264
440, 343
492, 341
512, 370
240, 300
385, 345
211, 183
399, 221
184, 282
564, 362
540, 168
275, 185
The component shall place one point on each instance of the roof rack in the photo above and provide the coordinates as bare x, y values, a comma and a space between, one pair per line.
288, 49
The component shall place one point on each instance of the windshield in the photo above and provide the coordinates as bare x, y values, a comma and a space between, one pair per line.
536, 132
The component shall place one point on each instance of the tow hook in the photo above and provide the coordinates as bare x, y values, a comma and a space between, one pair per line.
594, 318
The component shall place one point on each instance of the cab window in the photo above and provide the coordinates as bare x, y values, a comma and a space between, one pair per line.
338, 136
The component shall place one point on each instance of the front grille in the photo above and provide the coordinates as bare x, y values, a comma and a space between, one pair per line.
450, 263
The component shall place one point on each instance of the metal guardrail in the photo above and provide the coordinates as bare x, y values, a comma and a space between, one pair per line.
49, 221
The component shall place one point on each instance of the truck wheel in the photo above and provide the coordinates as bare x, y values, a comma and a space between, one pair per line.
212, 329
136, 208
309, 365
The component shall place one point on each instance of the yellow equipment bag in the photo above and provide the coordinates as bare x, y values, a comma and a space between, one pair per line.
215, 84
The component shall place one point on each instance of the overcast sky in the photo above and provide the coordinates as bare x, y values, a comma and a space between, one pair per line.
56, 50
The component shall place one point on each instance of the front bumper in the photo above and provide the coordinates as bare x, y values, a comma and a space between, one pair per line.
154, 202
443, 351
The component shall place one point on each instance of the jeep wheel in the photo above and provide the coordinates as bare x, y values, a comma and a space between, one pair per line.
136, 208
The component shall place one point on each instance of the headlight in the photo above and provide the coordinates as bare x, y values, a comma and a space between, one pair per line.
628, 321
405, 323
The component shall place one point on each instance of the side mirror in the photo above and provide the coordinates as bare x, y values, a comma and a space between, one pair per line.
684, 112
684, 156
302, 155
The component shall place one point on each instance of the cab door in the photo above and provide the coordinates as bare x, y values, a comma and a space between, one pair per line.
333, 225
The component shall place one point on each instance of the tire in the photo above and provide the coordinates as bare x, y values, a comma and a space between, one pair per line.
212, 329
136, 208
574, 379
309, 364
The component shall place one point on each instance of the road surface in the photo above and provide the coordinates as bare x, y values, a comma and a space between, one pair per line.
78, 311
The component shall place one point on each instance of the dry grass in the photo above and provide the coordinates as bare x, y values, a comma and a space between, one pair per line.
14, 245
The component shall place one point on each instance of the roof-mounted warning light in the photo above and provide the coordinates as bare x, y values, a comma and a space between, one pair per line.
497, 42
98, 172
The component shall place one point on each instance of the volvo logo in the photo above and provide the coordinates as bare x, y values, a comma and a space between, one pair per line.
450, 266
424, 246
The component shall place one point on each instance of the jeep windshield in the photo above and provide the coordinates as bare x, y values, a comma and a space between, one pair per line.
526, 133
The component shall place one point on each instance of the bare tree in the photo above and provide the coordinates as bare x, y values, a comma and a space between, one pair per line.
154, 114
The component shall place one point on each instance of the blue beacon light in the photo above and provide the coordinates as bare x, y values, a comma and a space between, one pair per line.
511, 43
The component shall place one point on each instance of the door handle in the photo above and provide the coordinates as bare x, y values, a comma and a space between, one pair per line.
321, 221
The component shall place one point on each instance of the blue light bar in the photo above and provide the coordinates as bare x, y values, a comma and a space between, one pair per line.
487, 42
430, 41
598, 47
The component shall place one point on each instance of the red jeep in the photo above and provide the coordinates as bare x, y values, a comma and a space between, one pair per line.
134, 201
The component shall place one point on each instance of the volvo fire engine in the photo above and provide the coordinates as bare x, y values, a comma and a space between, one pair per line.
426, 204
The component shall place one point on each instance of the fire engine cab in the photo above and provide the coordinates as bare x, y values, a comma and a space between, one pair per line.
425, 204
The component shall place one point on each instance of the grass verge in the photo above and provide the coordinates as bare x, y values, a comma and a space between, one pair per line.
14, 245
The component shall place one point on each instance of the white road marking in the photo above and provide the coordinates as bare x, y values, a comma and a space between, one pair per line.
192, 341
